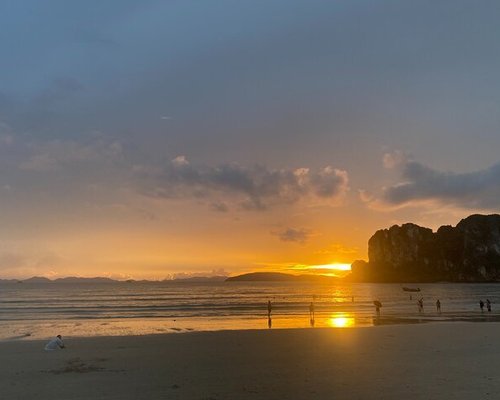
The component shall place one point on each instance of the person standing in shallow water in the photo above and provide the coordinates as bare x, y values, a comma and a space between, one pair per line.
269, 309
311, 310
438, 306
481, 305
488, 305
311, 313
420, 304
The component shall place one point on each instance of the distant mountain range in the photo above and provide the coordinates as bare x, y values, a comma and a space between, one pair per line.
251, 277
74, 279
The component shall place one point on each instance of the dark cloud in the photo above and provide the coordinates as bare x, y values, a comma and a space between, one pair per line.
67, 154
59, 173
219, 206
90, 151
297, 235
257, 187
478, 189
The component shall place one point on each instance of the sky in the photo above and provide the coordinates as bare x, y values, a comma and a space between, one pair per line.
161, 139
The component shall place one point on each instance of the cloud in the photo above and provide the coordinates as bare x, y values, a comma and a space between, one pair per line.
365, 195
338, 250
25, 263
62, 154
297, 235
253, 188
219, 206
83, 170
422, 184
187, 275
394, 159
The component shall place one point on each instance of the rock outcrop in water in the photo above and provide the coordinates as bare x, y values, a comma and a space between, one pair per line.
469, 252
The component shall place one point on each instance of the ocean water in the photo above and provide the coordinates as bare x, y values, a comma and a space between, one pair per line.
41, 310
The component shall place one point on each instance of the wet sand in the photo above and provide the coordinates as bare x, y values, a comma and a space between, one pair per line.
423, 361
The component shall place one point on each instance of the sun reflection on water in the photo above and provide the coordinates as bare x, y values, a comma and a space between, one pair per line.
341, 321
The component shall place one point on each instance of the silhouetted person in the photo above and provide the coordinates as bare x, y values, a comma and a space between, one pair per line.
311, 310
488, 305
438, 306
420, 304
311, 313
377, 304
481, 305
269, 308
269, 322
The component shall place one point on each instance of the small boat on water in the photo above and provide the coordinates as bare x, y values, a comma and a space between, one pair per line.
407, 289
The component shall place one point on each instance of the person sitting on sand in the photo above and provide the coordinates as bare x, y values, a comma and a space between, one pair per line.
55, 344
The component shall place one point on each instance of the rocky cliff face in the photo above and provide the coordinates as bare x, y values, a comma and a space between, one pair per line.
469, 252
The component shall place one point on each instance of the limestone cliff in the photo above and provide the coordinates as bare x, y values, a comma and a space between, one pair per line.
469, 252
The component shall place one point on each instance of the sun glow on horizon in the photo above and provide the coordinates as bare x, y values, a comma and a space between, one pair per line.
333, 269
334, 266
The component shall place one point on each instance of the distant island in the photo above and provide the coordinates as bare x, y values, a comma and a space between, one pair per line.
280, 277
469, 252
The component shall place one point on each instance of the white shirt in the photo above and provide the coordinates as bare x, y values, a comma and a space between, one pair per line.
54, 344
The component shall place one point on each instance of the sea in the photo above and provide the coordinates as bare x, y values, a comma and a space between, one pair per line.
41, 310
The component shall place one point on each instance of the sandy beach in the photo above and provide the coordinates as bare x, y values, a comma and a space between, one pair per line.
423, 361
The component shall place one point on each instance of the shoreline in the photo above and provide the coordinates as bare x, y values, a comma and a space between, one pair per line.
388, 324
423, 361
42, 330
